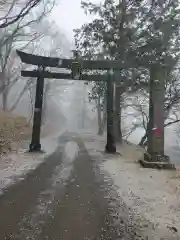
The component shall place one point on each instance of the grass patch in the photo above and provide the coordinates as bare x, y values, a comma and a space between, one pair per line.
13, 129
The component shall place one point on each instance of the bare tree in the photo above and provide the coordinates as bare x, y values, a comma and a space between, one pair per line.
10, 69
171, 105
19, 35
14, 10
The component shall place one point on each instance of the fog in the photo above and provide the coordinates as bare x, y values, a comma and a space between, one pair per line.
68, 107
66, 102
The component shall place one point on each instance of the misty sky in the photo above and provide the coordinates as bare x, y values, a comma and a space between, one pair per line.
69, 15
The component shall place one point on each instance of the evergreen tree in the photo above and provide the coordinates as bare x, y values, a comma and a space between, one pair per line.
137, 34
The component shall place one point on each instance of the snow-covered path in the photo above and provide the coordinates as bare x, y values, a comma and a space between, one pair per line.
79, 192
14, 166
63, 198
151, 196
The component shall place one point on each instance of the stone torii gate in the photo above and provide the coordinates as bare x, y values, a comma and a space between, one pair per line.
155, 155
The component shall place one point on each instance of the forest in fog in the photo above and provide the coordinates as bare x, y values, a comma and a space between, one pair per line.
148, 33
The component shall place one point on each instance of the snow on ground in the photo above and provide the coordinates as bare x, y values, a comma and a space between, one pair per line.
71, 150
152, 194
63, 171
58, 181
14, 166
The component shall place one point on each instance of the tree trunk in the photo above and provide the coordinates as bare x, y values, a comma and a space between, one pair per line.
143, 139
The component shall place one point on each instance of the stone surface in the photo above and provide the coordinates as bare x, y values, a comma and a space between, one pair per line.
157, 165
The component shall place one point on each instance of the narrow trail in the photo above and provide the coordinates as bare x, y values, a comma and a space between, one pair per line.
64, 208
62, 199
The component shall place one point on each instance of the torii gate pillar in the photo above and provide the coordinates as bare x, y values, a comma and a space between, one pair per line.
155, 157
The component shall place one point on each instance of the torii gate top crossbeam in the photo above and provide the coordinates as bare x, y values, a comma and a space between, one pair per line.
67, 63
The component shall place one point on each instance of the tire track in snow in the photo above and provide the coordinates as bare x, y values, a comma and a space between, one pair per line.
32, 223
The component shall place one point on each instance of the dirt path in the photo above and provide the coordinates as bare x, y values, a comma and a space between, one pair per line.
48, 206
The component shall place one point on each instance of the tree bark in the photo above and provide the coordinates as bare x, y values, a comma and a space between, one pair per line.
143, 139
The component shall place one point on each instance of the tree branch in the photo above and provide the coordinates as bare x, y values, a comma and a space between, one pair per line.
9, 20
